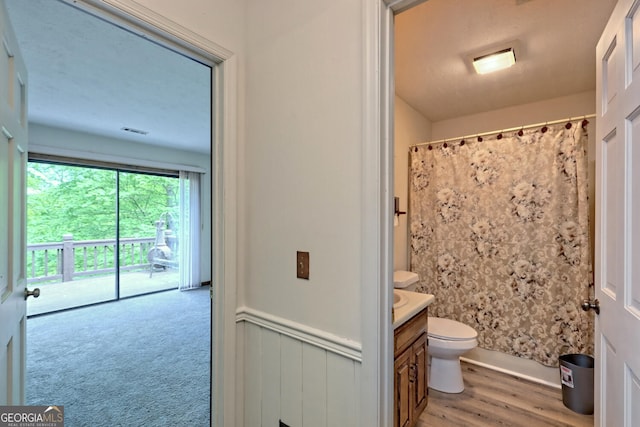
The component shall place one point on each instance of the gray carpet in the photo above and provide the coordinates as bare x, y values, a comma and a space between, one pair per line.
143, 361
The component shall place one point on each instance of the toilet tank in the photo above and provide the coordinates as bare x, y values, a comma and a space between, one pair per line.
405, 280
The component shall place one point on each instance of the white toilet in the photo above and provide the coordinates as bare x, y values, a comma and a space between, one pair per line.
448, 340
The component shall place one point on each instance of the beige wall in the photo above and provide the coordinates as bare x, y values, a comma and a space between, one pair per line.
410, 127
220, 21
303, 161
302, 173
519, 115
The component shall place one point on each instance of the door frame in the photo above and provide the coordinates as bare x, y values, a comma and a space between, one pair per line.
376, 291
142, 21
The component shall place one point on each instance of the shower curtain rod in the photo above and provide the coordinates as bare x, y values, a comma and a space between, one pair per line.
555, 122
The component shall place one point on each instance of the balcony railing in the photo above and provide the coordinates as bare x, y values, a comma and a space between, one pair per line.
69, 259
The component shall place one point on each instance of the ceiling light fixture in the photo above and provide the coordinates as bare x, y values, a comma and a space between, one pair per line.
494, 61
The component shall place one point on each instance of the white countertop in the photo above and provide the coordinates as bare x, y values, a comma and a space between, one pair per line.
415, 303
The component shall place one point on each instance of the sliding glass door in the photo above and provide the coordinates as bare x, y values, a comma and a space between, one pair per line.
71, 231
99, 234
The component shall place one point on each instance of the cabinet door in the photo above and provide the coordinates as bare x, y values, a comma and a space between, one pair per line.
419, 366
403, 387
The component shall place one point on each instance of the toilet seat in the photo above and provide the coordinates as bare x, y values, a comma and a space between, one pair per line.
437, 345
449, 330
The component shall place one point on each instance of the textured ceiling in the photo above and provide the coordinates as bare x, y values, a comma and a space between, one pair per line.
555, 50
90, 75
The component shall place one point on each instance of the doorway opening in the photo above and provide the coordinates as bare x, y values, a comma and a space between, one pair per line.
218, 168
163, 34
472, 122
105, 247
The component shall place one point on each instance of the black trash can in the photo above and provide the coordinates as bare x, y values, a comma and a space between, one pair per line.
576, 376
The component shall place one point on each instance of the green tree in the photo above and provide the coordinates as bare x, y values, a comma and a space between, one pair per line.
82, 201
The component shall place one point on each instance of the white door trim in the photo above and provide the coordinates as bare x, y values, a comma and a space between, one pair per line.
376, 407
149, 24
224, 245
376, 377
145, 22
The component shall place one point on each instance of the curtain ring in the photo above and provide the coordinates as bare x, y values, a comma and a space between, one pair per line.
568, 125
479, 139
520, 132
461, 143
544, 129
585, 122
499, 136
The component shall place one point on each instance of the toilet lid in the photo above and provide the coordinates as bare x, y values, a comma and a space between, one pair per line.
448, 329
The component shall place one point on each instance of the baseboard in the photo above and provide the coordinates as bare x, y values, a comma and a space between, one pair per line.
511, 372
206, 283
322, 339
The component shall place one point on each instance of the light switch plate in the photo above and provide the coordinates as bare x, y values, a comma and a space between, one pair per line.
302, 265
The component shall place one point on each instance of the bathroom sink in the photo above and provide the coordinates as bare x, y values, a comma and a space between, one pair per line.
398, 300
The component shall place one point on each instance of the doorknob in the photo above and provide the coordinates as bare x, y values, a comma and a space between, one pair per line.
34, 293
591, 305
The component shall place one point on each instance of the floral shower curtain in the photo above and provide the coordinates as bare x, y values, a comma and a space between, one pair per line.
499, 234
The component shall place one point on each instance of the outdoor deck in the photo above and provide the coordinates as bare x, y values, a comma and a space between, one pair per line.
62, 295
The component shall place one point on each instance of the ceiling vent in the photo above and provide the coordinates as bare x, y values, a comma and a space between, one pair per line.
138, 131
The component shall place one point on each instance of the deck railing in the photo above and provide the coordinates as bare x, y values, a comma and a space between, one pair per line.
66, 260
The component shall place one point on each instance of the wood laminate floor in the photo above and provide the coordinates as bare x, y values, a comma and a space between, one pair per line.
492, 398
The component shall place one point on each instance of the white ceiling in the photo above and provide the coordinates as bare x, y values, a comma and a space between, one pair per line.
555, 52
90, 75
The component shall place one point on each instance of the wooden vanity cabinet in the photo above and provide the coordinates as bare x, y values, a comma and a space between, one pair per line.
410, 370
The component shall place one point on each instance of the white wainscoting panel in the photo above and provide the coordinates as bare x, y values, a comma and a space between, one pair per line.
314, 384
271, 375
342, 405
252, 377
296, 380
291, 377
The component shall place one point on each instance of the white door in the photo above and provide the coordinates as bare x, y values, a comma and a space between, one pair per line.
13, 163
617, 266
